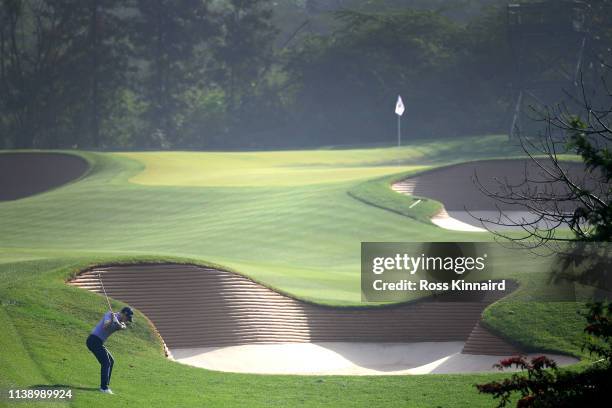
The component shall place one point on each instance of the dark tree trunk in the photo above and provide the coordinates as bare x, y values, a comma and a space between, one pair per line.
95, 114
160, 114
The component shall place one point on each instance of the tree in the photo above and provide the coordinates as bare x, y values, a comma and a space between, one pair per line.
167, 38
38, 43
559, 198
107, 59
546, 386
556, 197
60, 60
345, 83
244, 51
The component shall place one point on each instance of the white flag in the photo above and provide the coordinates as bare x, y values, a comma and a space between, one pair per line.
399, 106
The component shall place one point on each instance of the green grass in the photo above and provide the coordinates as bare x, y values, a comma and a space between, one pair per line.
291, 220
304, 239
378, 193
295, 168
45, 323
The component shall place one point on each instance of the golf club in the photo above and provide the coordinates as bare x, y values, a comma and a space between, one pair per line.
104, 290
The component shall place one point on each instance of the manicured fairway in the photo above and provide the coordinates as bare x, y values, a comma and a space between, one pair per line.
303, 238
292, 220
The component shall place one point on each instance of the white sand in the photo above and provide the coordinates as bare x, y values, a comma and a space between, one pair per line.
337, 358
453, 224
455, 220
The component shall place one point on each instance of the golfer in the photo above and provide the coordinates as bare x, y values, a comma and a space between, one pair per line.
110, 323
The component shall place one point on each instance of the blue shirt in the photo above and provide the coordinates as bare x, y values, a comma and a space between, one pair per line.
101, 332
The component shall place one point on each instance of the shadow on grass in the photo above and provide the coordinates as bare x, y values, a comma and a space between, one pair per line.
62, 386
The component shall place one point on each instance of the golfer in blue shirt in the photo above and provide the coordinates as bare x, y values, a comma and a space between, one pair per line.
110, 323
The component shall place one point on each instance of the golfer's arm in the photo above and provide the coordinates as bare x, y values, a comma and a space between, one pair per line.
110, 321
119, 325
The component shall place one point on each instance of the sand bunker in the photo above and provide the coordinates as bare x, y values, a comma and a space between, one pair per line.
455, 188
26, 174
343, 358
224, 321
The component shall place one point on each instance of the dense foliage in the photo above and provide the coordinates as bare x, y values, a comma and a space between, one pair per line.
244, 74
545, 385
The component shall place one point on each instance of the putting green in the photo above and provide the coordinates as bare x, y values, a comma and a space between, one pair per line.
295, 168
246, 170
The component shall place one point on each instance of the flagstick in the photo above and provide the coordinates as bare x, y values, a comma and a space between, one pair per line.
399, 130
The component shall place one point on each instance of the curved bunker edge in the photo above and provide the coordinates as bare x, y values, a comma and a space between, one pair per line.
24, 174
453, 186
224, 321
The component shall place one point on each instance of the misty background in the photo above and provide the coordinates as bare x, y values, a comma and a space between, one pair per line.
249, 74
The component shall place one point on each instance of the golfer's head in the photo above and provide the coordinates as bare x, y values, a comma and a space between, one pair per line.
126, 314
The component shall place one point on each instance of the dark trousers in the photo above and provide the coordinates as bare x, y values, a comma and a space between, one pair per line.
104, 357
